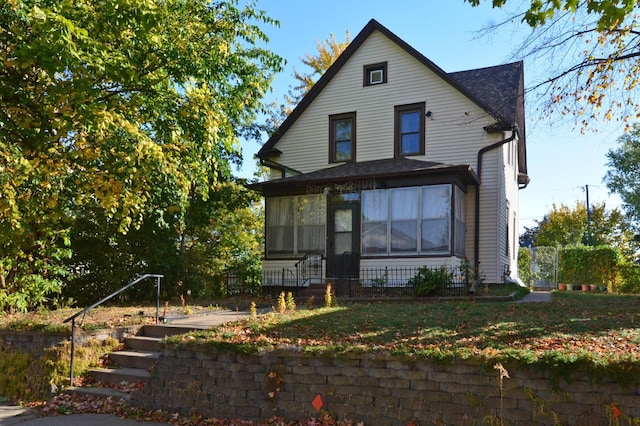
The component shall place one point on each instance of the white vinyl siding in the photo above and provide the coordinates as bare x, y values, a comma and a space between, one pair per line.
454, 133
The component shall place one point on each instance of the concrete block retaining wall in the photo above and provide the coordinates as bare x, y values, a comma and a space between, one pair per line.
376, 390
34, 342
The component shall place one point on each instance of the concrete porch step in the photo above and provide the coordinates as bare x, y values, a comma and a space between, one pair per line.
98, 392
135, 359
119, 375
164, 330
143, 343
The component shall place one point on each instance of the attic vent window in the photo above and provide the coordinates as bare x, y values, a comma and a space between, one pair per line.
375, 74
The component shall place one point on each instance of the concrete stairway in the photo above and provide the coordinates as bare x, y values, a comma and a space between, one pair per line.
134, 364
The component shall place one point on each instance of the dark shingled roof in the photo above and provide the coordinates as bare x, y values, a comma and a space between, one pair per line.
497, 86
377, 169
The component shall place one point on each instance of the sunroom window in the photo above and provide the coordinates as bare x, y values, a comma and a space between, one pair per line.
412, 220
375, 208
295, 225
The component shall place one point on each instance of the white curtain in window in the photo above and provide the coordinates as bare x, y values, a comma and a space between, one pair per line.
279, 232
460, 229
311, 219
436, 217
280, 211
375, 208
436, 201
375, 205
404, 219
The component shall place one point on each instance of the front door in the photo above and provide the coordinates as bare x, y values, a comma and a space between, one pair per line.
343, 240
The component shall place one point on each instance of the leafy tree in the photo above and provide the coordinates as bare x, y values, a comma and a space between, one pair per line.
328, 52
221, 234
104, 104
623, 174
193, 252
565, 226
590, 50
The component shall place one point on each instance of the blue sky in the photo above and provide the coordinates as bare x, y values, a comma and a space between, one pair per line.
561, 161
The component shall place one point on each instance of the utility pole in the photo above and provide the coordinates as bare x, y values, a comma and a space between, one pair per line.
588, 217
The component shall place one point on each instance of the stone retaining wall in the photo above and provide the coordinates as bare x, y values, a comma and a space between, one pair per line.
376, 390
34, 342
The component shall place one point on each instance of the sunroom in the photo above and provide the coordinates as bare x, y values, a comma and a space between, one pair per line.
359, 221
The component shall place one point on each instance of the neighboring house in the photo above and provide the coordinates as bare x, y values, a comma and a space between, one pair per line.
389, 161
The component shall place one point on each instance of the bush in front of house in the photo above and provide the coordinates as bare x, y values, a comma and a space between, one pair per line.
428, 280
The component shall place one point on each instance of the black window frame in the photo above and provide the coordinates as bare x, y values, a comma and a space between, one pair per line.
351, 116
398, 133
368, 69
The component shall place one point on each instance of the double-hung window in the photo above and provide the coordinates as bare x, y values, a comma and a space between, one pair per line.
342, 137
409, 129
375, 213
404, 220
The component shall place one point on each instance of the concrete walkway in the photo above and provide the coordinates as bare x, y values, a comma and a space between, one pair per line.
10, 415
536, 297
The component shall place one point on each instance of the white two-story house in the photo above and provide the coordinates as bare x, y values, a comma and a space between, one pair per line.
391, 161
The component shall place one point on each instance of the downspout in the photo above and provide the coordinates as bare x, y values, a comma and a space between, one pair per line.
476, 231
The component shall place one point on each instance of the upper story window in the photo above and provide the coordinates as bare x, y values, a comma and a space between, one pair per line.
342, 137
375, 74
409, 129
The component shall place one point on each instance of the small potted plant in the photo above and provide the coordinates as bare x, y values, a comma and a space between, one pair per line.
562, 287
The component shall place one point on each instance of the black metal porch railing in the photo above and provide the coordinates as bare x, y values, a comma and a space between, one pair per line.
404, 282
73, 317
306, 270
401, 281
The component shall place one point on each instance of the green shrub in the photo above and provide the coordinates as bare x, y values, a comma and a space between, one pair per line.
589, 265
428, 280
525, 257
27, 378
630, 277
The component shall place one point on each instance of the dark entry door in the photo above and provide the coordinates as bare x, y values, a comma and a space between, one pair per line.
343, 241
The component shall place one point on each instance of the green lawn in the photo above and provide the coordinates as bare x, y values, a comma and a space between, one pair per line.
573, 329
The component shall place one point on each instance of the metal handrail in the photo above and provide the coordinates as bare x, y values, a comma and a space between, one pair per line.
73, 317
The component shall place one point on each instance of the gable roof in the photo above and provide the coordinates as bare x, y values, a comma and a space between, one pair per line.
479, 86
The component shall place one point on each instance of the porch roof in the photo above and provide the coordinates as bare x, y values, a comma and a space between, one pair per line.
403, 171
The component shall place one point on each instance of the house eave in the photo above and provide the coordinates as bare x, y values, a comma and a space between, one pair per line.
435, 173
